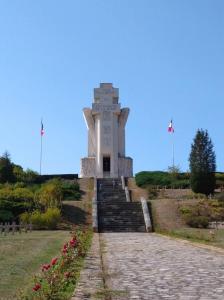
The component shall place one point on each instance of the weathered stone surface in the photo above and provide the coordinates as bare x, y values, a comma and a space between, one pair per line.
91, 280
88, 167
148, 266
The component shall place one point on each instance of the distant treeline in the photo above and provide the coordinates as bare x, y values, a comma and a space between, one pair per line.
170, 180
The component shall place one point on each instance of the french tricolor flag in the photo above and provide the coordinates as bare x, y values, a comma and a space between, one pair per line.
42, 129
170, 127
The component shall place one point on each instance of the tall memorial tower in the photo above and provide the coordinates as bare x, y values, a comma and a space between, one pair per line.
106, 136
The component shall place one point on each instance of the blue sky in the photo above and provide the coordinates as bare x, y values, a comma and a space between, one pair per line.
166, 57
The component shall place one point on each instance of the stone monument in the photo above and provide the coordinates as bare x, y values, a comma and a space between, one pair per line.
106, 136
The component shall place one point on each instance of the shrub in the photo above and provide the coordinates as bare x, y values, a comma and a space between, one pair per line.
30, 176
25, 218
180, 183
152, 192
50, 194
36, 218
6, 205
17, 201
152, 178
198, 221
52, 216
22, 194
6, 215
17, 194
161, 179
18, 173
19, 185
47, 220
71, 190
6, 193
186, 210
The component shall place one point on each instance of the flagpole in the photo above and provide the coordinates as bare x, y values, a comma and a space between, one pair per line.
173, 152
41, 146
171, 131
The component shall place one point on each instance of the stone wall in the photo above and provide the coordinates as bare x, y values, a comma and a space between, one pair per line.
88, 167
125, 167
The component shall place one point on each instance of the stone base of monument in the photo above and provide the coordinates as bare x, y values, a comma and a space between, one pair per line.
124, 168
115, 214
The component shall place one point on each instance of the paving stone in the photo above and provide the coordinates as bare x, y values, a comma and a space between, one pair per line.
90, 281
152, 267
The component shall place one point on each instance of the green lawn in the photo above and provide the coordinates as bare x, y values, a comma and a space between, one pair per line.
209, 236
21, 256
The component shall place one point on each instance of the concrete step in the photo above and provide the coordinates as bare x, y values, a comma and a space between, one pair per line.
115, 214
120, 229
111, 199
124, 219
119, 205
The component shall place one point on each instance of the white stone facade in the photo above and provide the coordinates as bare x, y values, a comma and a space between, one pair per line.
106, 136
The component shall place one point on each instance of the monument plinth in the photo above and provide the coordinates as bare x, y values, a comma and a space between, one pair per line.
106, 136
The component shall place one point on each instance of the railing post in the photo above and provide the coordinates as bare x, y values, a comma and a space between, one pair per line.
13, 227
123, 182
148, 224
94, 215
95, 187
127, 194
94, 208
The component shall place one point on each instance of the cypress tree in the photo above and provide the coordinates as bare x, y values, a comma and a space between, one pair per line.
202, 164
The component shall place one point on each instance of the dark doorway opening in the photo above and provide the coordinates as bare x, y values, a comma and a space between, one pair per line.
106, 164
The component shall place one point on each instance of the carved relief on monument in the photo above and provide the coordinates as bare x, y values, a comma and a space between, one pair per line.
106, 141
106, 129
106, 115
97, 107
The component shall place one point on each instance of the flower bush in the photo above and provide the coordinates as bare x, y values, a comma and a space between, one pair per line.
57, 278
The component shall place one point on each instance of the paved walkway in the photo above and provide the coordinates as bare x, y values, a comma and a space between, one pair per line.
91, 278
151, 267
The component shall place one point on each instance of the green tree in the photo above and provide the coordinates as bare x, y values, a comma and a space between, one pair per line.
202, 164
30, 176
6, 169
18, 173
174, 171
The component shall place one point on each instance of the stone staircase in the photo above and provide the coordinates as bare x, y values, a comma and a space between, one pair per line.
114, 213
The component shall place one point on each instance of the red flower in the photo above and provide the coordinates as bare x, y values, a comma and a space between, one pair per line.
64, 251
54, 261
65, 248
73, 242
46, 267
37, 287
